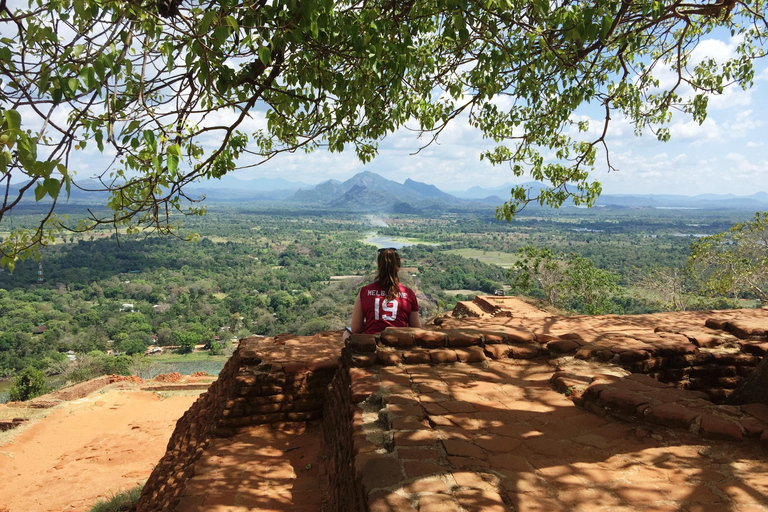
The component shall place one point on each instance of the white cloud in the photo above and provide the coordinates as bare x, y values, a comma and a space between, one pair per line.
733, 96
742, 125
697, 133
716, 49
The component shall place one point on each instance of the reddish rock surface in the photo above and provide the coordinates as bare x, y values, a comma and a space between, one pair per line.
85, 450
479, 411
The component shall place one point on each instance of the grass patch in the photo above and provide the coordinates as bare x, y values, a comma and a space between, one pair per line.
193, 356
32, 414
122, 501
377, 241
502, 259
464, 292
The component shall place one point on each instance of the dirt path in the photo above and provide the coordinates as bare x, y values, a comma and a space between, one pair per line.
87, 449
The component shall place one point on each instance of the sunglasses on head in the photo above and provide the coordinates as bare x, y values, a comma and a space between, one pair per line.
388, 249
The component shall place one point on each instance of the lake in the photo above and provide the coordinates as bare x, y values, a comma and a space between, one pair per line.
5, 385
396, 242
183, 367
190, 367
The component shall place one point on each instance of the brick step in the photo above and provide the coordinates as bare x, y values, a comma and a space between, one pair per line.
468, 308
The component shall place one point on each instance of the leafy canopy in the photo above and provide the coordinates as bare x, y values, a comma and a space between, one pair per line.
566, 280
175, 92
734, 262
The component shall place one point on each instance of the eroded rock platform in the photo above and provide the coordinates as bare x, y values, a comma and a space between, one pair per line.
501, 407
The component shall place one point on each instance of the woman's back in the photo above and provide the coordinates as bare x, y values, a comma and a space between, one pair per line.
380, 313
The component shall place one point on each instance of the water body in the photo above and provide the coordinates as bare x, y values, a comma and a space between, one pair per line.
392, 241
190, 367
5, 385
183, 367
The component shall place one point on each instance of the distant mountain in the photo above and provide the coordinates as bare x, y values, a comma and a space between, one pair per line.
502, 191
427, 190
368, 191
257, 184
477, 192
325, 192
363, 198
374, 181
755, 202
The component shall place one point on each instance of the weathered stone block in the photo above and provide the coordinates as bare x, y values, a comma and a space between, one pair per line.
416, 356
429, 339
671, 415
715, 427
758, 349
633, 356
563, 346
362, 343
396, 337
724, 371
493, 338
646, 380
464, 338
735, 359
497, 351
752, 426
470, 354
729, 382
759, 411
363, 360
716, 323
438, 356
388, 357
679, 361
622, 400
676, 375
527, 351
386, 501
519, 334
645, 366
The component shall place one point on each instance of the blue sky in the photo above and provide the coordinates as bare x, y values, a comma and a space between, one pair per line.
724, 155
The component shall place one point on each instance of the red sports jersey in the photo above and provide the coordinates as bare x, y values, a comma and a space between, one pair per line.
379, 313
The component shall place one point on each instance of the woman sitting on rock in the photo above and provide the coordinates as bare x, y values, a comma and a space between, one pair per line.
385, 302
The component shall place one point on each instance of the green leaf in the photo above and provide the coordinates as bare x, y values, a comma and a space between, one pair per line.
39, 192
205, 23
13, 119
265, 56
51, 186
99, 68
172, 158
168, 49
99, 136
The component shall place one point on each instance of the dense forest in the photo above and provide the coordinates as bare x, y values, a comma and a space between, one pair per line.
264, 272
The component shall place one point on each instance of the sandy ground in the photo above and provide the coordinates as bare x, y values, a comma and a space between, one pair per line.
87, 449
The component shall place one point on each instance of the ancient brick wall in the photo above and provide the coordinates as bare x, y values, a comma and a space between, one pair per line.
11, 424
715, 368
408, 345
266, 380
188, 442
340, 417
